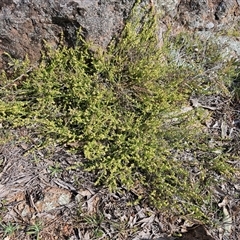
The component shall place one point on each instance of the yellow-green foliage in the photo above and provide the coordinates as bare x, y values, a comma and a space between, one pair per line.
123, 108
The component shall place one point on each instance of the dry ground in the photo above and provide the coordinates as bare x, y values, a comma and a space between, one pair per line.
45, 194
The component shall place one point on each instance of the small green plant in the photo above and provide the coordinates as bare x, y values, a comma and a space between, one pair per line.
95, 221
8, 229
35, 229
55, 169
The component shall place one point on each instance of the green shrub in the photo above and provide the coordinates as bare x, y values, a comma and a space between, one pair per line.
124, 109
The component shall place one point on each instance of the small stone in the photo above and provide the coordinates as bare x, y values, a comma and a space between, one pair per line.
53, 198
64, 199
210, 25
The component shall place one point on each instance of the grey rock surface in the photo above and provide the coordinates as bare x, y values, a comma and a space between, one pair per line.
26, 24
197, 14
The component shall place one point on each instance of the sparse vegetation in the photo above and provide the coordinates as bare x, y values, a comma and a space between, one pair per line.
35, 229
54, 170
124, 109
8, 229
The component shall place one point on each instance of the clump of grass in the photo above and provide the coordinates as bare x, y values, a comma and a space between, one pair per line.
123, 108
35, 230
8, 229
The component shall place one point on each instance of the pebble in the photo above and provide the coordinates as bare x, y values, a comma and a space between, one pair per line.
210, 25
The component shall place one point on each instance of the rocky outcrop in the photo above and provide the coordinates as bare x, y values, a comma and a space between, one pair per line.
208, 14
200, 14
26, 24
207, 18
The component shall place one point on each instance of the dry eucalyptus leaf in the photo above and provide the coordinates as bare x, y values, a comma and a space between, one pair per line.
86, 236
195, 102
148, 220
92, 204
86, 193
224, 202
227, 222
224, 129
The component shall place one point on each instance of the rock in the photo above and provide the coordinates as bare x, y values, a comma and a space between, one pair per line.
210, 25
197, 14
167, 7
26, 24
229, 47
209, 19
53, 198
